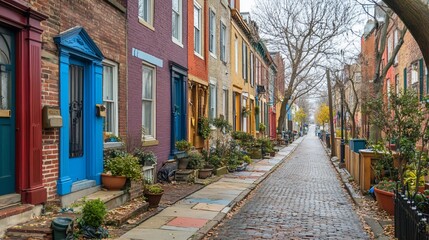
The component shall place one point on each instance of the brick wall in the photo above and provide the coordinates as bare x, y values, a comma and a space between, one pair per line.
158, 43
106, 26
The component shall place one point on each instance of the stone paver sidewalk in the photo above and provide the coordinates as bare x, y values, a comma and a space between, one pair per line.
193, 216
302, 199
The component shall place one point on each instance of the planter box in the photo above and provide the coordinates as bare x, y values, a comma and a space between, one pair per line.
255, 154
184, 175
357, 144
221, 171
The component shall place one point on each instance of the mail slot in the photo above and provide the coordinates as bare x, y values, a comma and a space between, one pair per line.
52, 117
101, 110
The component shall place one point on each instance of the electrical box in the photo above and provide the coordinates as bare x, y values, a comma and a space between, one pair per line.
101, 110
52, 117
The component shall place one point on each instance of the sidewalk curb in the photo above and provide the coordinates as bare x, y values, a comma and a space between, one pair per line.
374, 224
201, 233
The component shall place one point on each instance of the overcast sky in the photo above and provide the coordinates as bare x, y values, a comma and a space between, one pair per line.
246, 5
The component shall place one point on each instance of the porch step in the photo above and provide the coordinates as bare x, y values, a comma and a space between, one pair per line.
111, 199
14, 215
68, 199
9, 200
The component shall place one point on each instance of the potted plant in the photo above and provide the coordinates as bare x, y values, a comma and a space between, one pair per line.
256, 110
262, 127
112, 138
90, 223
183, 148
146, 158
245, 111
118, 169
153, 194
385, 196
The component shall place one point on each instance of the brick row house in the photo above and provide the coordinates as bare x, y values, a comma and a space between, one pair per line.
154, 68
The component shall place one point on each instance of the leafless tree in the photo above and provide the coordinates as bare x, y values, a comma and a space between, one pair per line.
303, 31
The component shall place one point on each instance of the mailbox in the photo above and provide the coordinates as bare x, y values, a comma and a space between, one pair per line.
52, 117
101, 110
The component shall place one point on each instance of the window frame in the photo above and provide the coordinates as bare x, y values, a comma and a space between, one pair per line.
236, 53
115, 82
200, 29
153, 68
150, 21
179, 40
252, 68
222, 41
212, 99
212, 32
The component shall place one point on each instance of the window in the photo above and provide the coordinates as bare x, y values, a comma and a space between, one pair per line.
212, 33
389, 47
397, 84
236, 53
110, 96
177, 21
197, 29
222, 42
148, 102
244, 61
244, 106
146, 11
252, 75
414, 73
225, 103
212, 102
395, 43
232, 3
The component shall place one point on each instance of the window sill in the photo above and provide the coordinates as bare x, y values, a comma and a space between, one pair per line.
213, 55
146, 24
177, 42
112, 145
198, 55
152, 142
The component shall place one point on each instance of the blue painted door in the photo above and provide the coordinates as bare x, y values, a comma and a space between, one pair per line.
77, 115
7, 112
179, 108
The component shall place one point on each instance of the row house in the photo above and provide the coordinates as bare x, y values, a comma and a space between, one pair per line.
408, 70
71, 60
157, 49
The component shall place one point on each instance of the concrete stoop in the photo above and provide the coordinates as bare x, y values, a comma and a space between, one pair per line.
17, 214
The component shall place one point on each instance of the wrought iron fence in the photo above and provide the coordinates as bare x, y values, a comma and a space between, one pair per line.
410, 221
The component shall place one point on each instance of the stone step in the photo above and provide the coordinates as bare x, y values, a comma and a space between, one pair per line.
15, 215
69, 199
9, 200
111, 199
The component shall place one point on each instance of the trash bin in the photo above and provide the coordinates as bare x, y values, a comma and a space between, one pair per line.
61, 226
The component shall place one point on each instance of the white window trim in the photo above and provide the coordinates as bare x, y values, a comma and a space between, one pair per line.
236, 53
175, 40
213, 53
152, 137
147, 24
200, 55
115, 93
222, 21
214, 97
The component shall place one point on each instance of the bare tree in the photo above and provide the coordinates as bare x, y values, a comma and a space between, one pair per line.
303, 31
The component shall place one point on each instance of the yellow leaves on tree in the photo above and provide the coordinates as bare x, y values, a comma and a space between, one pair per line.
322, 115
300, 116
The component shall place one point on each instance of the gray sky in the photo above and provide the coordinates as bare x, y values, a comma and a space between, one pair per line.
246, 5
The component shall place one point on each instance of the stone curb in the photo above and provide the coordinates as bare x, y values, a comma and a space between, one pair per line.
375, 225
201, 233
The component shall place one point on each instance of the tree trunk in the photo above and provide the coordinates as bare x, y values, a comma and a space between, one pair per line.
282, 117
331, 115
415, 15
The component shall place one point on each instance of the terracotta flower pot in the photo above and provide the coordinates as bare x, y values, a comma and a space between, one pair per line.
385, 200
153, 199
205, 173
113, 182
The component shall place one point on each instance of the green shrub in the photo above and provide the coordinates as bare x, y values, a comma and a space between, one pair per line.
196, 160
247, 159
146, 158
215, 161
154, 189
93, 213
127, 166
183, 145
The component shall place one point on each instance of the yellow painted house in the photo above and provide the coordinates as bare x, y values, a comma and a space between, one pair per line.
242, 74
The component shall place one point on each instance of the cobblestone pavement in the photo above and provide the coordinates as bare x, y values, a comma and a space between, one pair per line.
302, 199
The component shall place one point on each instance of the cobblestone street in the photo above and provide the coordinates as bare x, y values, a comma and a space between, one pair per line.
302, 199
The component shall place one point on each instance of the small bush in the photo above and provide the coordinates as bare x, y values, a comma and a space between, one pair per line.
183, 145
93, 213
196, 160
127, 166
146, 158
154, 189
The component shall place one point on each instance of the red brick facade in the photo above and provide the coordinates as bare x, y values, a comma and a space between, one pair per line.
106, 25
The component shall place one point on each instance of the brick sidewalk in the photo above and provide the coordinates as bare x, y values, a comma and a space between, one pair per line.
302, 199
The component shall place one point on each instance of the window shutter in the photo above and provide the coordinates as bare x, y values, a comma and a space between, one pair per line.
421, 79
405, 79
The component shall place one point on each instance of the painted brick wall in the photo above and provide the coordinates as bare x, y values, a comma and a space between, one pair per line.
106, 26
158, 43
197, 66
